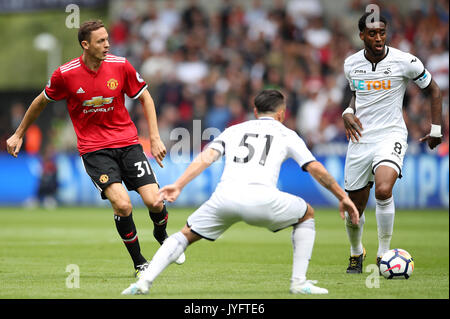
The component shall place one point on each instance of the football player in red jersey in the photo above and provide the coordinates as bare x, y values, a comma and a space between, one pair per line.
94, 86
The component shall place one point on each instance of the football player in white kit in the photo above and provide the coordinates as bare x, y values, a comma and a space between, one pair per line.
377, 134
253, 151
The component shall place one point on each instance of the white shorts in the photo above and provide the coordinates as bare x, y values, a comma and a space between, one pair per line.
363, 159
256, 205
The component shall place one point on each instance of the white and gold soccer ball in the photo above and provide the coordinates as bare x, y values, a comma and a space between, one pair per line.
396, 264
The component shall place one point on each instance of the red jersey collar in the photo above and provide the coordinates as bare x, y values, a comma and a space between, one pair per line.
94, 73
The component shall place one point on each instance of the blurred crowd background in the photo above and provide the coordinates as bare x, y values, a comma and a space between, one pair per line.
207, 62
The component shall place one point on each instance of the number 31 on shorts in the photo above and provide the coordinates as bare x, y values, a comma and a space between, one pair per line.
143, 167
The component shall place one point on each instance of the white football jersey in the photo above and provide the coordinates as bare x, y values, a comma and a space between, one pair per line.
380, 88
254, 151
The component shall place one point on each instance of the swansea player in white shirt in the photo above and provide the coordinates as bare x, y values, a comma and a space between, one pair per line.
253, 151
378, 76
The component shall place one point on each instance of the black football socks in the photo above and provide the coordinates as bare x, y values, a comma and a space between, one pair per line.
159, 224
127, 231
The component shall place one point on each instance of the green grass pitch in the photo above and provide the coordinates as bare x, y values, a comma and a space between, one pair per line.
38, 245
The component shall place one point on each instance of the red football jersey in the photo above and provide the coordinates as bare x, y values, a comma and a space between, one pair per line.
95, 101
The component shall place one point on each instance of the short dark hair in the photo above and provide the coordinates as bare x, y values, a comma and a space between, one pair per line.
267, 101
362, 21
84, 33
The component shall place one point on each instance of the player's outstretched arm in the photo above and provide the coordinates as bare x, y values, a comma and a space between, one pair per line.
320, 174
434, 137
14, 143
157, 146
353, 126
198, 165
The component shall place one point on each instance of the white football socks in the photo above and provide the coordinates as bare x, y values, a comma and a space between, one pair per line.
354, 233
169, 251
385, 213
303, 236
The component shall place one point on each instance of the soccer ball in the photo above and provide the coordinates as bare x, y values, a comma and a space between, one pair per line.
396, 264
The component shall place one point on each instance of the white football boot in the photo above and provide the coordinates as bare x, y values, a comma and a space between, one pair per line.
307, 287
140, 287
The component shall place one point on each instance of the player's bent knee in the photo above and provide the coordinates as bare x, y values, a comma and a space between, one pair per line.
151, 205
308, 215
383, 192
150, 196
122, 207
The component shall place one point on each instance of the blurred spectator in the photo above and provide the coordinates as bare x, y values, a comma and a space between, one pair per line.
48, 182
118, 36
33, 137
167, 122
47, 191
330, 129
316, 34
302, 10
129, 12
200, 104
237, 112
191, 69
256, 14
170, 17
62, 135
155, 31
310, 113
158, 68
438, 65
17, 112
193, 15
220, 114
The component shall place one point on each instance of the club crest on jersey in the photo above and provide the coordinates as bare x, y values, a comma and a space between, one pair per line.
98, 101
104, 178
112, 84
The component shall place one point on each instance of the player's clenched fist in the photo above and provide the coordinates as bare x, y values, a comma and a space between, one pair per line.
13, 145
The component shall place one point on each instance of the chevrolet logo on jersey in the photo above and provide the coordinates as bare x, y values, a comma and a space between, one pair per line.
98, 101
366, 85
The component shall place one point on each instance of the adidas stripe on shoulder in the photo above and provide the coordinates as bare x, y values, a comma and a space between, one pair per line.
114, 59
70, 65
